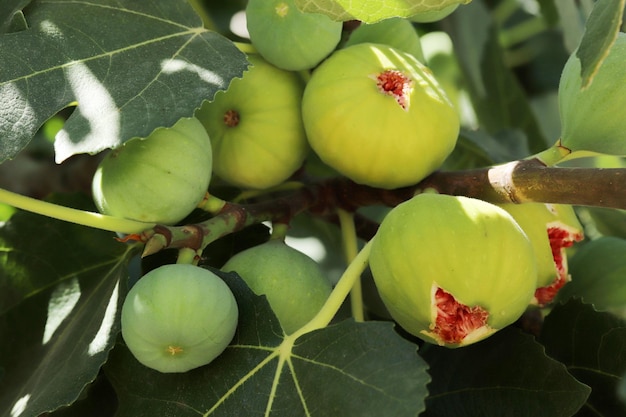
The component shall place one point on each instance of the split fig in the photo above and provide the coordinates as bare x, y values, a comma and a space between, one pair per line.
294, 284
452, 270
256, 128
378, 116
592, 118
158, 179
289, 38
178, 317
551, 228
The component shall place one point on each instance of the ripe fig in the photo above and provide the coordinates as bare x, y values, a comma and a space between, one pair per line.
551, 229
256, 128
452, 270
395, 32
592, 119
178, 317
294, 284
289, 38
158, 179
378, 116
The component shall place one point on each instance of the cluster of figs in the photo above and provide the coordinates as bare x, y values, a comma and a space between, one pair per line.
451, 270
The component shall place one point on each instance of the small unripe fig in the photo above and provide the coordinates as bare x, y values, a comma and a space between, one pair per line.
289, 38
395, 32
592, 119
378, 116
158, 179
294, 284
452, 270
256, 127
178, 317
551, 229
434, 15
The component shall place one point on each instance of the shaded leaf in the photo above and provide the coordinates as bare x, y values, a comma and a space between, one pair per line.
130, 67
348, 369
498, 98
8, 12
371, 12
572, 23
591, 345
58, 334
601, 31
507, 374
609, 222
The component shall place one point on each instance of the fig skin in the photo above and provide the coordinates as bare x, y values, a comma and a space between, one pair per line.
289, 38
366, 134
178, 317
536, 219
396, 32
294, 284
469, 248
158, 179
592, 119
267, 143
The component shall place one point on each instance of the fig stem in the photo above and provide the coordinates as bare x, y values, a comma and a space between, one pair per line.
187, 256
350, 251
82, 217
211, 204
246, 48
553, 155
345, 284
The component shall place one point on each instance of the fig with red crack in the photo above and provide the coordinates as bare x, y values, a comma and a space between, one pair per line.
256, 129
551, 228
452, 270
378, 116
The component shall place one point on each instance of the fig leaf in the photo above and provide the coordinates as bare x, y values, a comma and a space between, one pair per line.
57, 63
262, 374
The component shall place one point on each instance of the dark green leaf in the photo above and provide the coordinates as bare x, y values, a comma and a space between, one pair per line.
598, 270
507, 374
8, 13
57, 334
97, 400
591, 345
499, 101
130, 66
601, 31
609, 222
348, 369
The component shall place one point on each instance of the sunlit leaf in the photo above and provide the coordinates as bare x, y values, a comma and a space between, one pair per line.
68, 282
348, 369
129, 66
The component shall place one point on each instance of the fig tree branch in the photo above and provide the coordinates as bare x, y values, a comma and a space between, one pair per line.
515, 182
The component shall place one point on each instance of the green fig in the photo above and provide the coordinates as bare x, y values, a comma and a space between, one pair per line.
395, 32
551, 229
452, 270
256, 128
378, 116
158, 179
289, 38
294, 284
591, 118
178, 317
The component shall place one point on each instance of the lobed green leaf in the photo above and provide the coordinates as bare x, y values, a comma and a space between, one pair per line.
128, 66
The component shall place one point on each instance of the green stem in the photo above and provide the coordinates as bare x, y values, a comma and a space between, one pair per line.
246, 48
350, 251
187, 256
504, 10
279, 231
211, 204
522, 31
553, 155
351, 275
82, 217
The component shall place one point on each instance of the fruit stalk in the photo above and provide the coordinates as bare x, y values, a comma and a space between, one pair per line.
82, 217
350, 251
